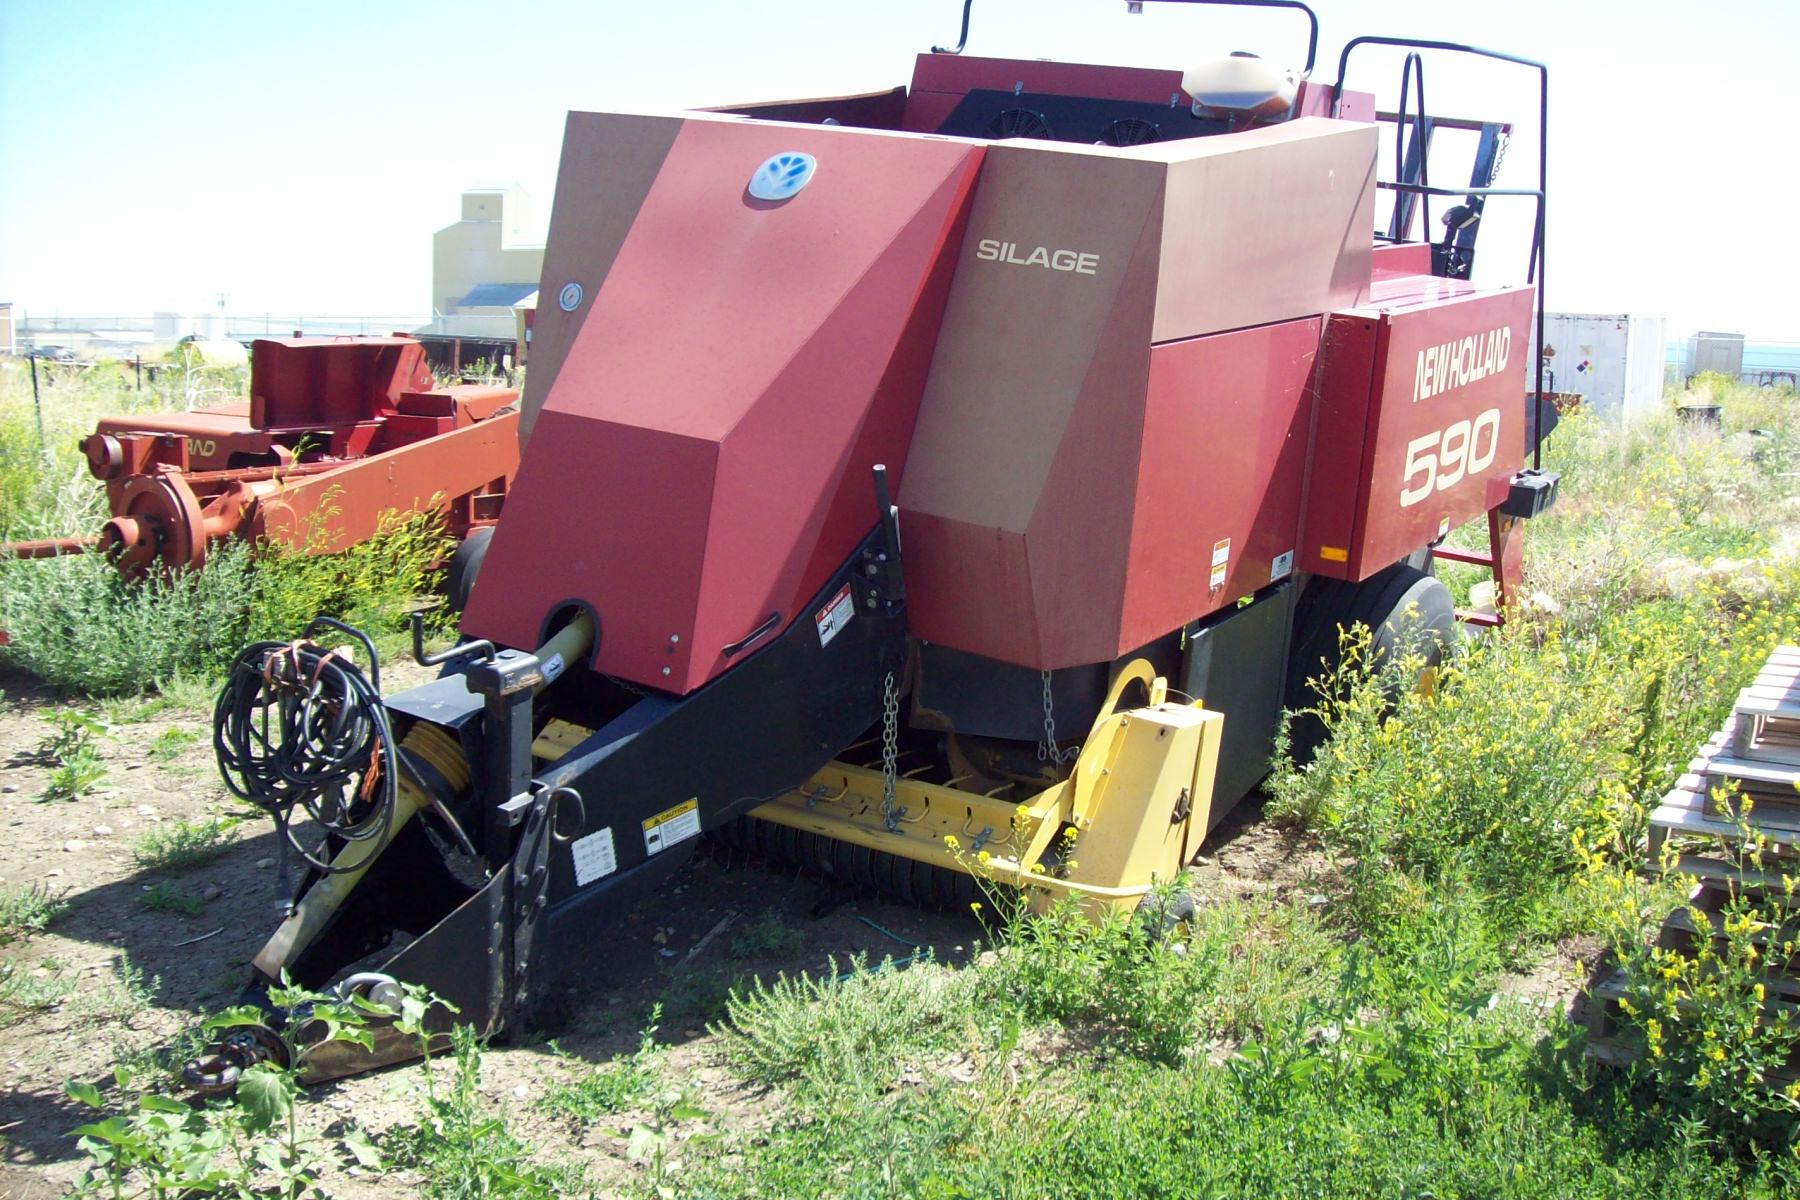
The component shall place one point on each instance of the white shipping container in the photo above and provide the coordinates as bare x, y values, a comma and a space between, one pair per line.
1614, 362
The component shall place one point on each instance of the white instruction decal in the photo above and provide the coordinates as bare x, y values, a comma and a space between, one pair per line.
672, 825
1221, 559
594, 857
553, 667
835, 615
1282, 567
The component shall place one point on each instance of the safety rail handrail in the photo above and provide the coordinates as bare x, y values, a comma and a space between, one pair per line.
1534, 269
1466, 124
1414, 66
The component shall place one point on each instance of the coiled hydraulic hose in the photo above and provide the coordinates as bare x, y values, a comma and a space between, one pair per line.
302, 734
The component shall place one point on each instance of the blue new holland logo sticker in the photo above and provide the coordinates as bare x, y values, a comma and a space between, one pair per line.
782, 176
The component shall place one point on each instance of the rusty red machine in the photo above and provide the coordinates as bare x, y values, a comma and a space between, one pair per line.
337, 434
952, 480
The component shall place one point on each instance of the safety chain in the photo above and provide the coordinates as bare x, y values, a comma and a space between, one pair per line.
1047, 751
1502, 140
890, 706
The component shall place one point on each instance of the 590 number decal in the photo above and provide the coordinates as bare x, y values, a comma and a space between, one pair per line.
1438, 461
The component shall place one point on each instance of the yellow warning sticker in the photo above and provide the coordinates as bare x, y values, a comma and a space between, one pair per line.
1221, 559
672, 825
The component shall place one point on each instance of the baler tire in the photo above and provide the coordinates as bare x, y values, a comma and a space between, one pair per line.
465, 564
1381, 602
1161, 913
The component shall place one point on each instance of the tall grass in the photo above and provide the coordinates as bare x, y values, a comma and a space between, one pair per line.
45, 488
81, 629
1399, 1073
74, 624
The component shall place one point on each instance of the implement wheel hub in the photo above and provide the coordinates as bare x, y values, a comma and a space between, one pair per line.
160, 522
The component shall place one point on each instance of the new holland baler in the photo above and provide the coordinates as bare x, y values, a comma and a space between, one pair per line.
984, 461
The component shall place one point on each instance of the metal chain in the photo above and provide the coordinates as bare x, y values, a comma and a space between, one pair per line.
1047, 751
890, 736
1503, 140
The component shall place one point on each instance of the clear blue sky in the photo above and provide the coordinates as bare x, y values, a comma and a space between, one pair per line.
298, 157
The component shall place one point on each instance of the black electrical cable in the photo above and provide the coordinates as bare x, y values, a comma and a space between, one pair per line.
301, 733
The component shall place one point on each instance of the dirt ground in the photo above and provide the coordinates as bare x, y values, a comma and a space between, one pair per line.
123, 982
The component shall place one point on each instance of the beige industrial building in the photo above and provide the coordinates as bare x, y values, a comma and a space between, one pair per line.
482, 268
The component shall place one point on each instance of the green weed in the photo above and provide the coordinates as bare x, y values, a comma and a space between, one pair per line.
464, 1148
849, 1032
694, 994
624, 1083
169, 744
28, 910
178, 846
80, 628
767, 935
70, 746
1714, 1030
166, 897
185, 692
123, 998
45, 487
26, 990
250, 1144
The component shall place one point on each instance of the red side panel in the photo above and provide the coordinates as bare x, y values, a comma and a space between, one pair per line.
1095, 434
1421, 405
1018, 494
1346, 385
1315, 100
310, 383
1224, 450
701, 459
1392, 260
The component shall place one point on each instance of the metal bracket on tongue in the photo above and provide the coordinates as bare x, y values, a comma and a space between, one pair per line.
879, 583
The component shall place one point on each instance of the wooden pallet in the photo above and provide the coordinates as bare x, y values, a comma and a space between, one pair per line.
1767, 713
1718, 875
1754, 756
1690, 808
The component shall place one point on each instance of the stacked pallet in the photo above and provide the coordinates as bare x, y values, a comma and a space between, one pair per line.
1755, 757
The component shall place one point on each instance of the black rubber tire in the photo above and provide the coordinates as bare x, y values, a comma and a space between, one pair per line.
465, 564
1406, 611
1162, 913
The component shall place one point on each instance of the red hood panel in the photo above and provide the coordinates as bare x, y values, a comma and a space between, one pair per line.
701, 459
